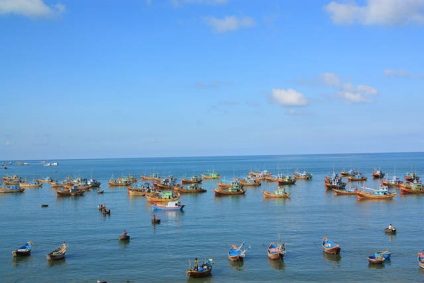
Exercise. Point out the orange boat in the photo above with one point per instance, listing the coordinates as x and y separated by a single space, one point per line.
381 193
279 193
192 180
329 247
162 197
210 176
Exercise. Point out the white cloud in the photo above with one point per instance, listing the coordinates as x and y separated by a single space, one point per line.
377 12
347 91
30 8
289 97
402 73
230 23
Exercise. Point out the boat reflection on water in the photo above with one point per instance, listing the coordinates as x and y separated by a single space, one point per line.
277 264
332 257
52 263
237 265
376 266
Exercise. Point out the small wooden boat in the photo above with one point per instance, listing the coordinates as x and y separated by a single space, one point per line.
330 247
203 270
170 205
192 180
345 192
229 191
356 177
25 250
58 253
124 237
420 259
334 182
151 177
378 174
44 205
390 230
12 189
100 192
348 173
162 197
155 220
286 180
279 193
45 180
376 259
302 175
393 182
69 192
381 193
411 177
189 189
119 182
237 253
210 176
412 188
34 184
249 182
276 251
385 254
142 190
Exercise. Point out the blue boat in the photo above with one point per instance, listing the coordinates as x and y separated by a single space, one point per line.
237 253
385 254
25 250
330 247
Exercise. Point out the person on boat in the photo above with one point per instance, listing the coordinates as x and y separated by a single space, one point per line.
196 264
390 227
125 233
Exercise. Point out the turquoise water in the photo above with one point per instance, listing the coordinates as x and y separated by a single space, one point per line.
210 225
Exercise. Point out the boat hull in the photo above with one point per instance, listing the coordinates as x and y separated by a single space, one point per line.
271 195
226 192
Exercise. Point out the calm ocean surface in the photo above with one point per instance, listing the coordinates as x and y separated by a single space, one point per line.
209 225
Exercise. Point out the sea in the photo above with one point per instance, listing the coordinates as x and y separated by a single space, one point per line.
209 225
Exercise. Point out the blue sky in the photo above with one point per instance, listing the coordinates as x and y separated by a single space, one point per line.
113 78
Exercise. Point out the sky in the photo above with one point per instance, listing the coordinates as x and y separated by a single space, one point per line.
171 78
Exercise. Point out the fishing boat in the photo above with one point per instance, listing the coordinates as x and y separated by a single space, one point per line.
124 237
162 196
330 247
272 178
279 193
167 183
348 173
386 254
276 251
69 192
93 183
250 182
189 189
142 190
202 270
25 250
119 182
11 189
302 175
421 259
170 205
58 253
393 182
151 177
13 179
411 177
33 184
192 180
155 220
286 180
412 188
345 192
334 182
376 259
237 253
45 180
262 174
356 177
236 189
381 193
378 174
390 230
210 176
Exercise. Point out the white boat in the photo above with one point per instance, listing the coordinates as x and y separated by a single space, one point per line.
171 205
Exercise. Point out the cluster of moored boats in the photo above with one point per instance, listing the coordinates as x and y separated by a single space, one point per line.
411 185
